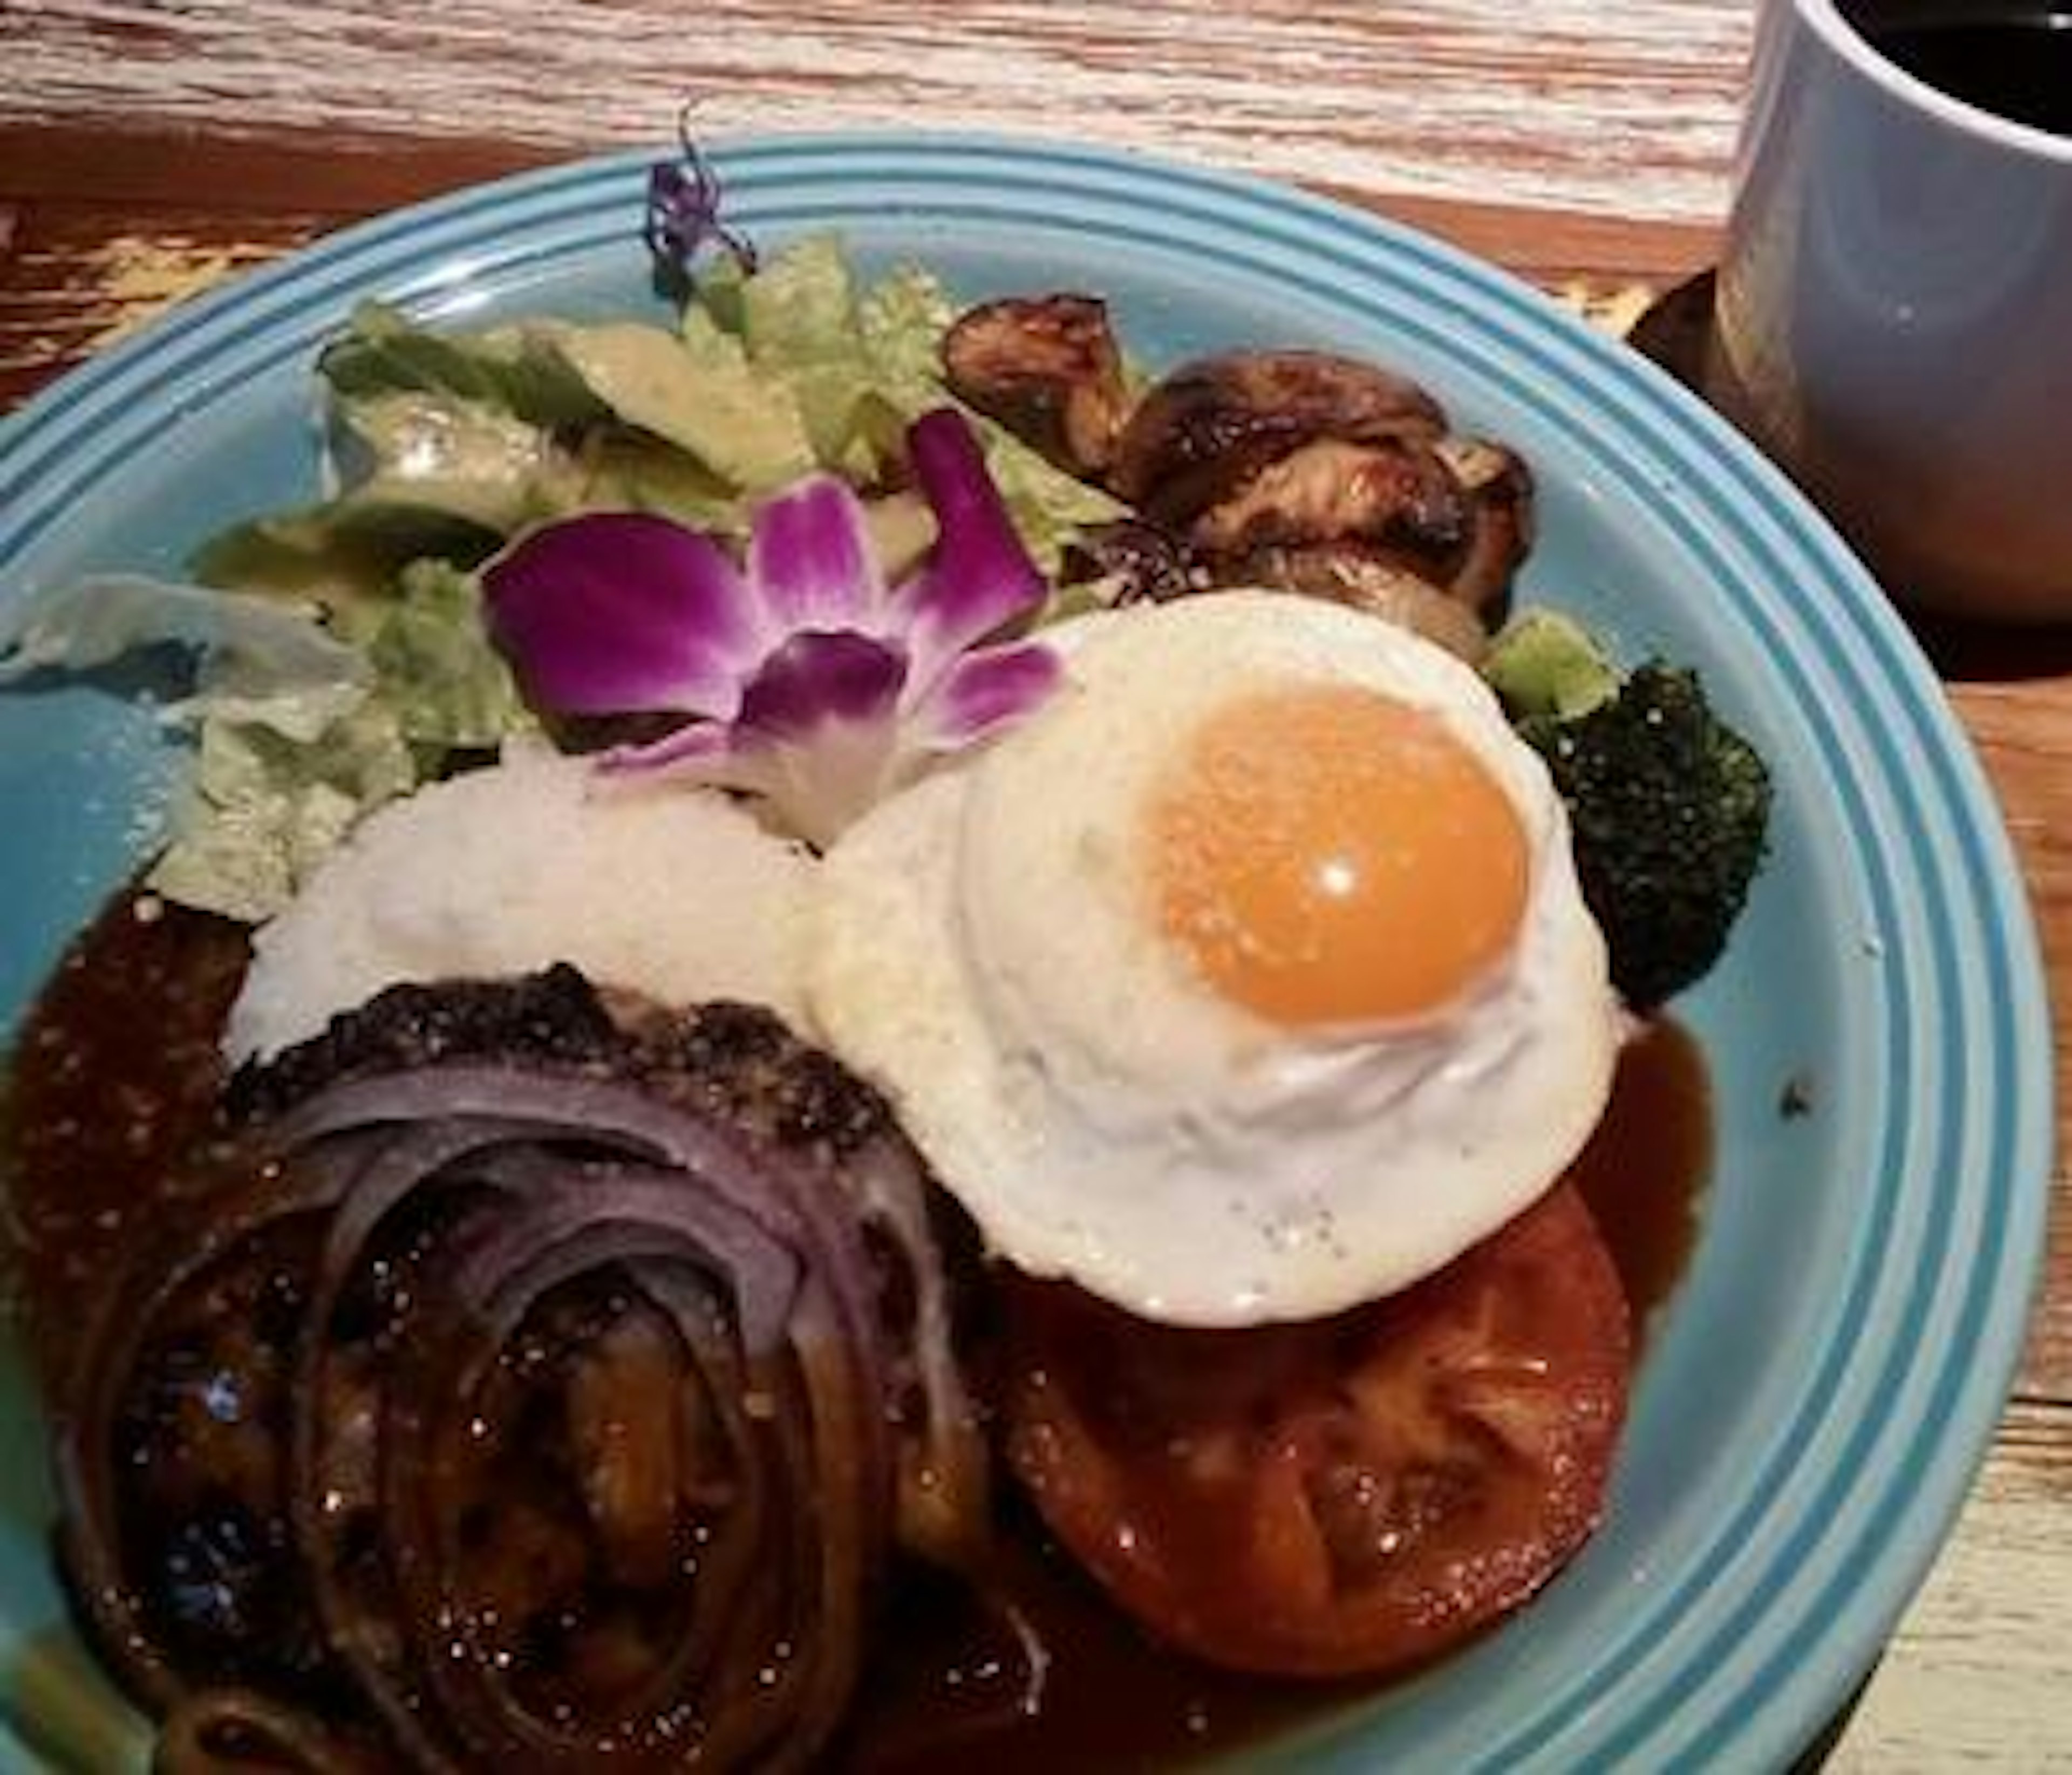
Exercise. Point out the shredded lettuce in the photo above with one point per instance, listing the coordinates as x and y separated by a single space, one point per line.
261 810
514 368
261 658
335 655
299 724
863 364
434 666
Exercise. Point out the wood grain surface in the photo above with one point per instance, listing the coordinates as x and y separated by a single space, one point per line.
147 151
1625 109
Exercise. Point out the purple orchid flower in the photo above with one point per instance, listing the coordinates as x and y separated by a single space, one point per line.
683 202
803 676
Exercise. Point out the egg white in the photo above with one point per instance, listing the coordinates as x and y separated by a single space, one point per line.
984 946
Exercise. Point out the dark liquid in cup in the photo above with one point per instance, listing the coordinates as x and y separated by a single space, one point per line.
2014 60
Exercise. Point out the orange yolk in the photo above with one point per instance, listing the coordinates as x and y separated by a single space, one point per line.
1327 855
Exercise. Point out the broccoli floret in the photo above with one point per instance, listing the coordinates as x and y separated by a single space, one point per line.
1668 806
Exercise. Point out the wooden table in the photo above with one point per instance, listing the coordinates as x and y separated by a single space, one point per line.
146 151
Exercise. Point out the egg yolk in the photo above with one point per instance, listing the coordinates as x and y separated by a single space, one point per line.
1328 854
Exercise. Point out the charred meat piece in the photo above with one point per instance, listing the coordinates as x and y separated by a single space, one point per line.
1047 368
1259 451
1330 490
1137 563
1499 491
1351 573
1405 506
1209 427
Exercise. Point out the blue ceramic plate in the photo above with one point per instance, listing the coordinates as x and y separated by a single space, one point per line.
1827 1376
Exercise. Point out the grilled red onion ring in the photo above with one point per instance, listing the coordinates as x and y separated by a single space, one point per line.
543 1390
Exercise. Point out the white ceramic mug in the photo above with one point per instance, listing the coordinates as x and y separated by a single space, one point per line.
1894 318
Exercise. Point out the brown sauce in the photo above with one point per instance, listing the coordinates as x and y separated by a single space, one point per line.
114 1075
939 1698
1645 1171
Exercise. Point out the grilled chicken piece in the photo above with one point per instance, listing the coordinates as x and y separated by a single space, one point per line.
1133 562
1137 563
1499 489
1350 573
1256 452
1211 425
1328 490
1047 368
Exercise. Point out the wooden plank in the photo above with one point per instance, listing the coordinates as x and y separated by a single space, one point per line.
74 280
2015 705
143 164
1624 111
344 178
1975 1677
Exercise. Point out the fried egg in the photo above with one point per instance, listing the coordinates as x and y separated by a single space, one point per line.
1248 980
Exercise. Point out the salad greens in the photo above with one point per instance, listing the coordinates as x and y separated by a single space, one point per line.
338 651
301 722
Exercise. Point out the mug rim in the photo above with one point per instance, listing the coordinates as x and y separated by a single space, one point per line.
1846 41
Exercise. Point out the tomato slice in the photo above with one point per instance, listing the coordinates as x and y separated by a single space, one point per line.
1342 1496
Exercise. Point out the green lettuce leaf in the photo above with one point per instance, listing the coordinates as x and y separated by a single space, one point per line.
862 363
626 472
800 307
339 553
300 725
263 659
269 797
902 318
437 670
1048 507
695 389
261 810
382 352
560 376
479 464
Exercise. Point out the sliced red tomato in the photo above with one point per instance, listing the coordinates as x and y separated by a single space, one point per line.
1346 1495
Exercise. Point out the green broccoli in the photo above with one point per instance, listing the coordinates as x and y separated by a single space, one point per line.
1669 807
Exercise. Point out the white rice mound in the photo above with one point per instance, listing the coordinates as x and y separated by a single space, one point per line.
674 892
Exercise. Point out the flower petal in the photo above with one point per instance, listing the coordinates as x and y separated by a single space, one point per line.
984 690
811 560
621 613
980 575
815 677
820 727
703 749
